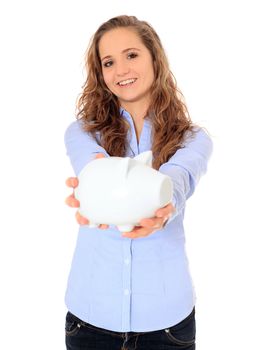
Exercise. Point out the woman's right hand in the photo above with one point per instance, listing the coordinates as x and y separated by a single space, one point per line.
71 201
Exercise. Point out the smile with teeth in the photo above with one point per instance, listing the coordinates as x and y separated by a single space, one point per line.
126 82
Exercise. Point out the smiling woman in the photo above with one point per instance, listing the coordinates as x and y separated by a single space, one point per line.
126 48
133 290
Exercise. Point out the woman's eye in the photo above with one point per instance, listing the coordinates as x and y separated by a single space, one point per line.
110 63
107 64
132 55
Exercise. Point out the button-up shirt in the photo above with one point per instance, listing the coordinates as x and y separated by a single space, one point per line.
142 284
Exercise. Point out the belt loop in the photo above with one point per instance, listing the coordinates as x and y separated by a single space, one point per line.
125 341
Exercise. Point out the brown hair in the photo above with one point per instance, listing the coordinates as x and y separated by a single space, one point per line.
99 109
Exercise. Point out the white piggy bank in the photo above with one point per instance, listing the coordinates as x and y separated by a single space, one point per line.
122 191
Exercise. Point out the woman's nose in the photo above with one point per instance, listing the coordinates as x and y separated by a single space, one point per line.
122 69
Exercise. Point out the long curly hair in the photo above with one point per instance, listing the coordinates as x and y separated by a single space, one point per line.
99 110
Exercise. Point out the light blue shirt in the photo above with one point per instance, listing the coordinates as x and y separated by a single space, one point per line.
142 284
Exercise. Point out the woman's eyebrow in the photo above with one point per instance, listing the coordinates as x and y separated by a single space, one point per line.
130 48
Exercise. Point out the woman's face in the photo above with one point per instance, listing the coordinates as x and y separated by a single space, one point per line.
127 66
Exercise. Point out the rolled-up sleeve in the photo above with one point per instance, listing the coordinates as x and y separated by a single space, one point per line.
186 167
81 147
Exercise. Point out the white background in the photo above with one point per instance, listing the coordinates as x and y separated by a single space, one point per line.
219 53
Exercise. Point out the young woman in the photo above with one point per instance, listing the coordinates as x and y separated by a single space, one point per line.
133 291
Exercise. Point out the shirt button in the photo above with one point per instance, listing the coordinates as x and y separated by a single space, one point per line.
126 261
126 292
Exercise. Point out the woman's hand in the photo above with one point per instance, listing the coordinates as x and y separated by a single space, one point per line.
149 226
71 201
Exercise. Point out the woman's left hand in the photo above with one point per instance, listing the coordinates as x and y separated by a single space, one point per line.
150 225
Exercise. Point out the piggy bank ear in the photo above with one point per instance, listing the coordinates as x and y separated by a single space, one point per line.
145 158
128 163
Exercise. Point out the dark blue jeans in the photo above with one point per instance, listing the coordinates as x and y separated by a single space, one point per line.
81 335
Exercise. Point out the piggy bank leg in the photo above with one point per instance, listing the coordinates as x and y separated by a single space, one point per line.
125 228
93 225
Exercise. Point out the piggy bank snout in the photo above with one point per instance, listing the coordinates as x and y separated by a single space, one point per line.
165 191
153 186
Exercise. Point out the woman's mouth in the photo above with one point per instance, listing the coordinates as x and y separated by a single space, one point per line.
127 82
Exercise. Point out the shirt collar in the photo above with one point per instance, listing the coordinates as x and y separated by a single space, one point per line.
127 115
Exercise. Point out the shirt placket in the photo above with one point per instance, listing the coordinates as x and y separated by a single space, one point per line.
126 303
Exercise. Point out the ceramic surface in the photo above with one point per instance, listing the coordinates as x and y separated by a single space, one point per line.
122 191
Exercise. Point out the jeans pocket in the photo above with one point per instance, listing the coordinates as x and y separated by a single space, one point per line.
72 325
183 333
